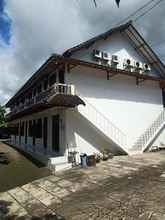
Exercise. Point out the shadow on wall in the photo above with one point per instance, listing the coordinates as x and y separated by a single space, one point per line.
5 214
90 137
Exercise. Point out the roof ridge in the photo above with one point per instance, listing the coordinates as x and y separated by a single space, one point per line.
89 42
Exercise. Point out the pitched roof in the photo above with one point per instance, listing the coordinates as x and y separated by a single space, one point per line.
91 41
56 60
138 42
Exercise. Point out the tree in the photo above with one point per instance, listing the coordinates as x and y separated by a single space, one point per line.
2 116
117 2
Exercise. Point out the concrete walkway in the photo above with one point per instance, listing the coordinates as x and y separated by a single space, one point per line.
122 188
20 170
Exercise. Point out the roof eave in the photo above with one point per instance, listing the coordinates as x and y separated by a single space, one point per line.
29 81
73 61
89 42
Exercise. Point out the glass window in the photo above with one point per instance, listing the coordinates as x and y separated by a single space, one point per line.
61 76
34 92
39 89
52 79
45 84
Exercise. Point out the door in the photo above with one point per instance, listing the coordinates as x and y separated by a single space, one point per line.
163 96
45 132
34 132
62 75
56 133
20 133
26 132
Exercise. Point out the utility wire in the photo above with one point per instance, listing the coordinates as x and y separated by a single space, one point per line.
143 14
147 11
135 12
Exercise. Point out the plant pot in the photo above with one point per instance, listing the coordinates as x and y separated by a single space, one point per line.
105 157
91 160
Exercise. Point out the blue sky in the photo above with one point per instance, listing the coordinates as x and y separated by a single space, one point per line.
5 25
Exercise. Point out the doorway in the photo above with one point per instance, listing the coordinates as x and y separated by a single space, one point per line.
34 132
26 127
45 132
163 97
56 133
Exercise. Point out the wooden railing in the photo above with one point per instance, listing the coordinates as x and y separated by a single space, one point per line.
64 89
57 88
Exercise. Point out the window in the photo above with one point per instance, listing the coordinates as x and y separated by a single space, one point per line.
61 75
52 79
34 92
30 95
39 128
22 101
45 84
39 89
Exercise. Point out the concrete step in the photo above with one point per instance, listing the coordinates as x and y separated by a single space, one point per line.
63 166
59 163
58 159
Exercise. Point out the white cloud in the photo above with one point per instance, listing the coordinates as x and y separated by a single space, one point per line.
42 27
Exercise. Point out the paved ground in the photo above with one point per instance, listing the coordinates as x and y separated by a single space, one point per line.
20 170
124 188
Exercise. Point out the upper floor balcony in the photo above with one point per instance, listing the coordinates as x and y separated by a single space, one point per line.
60 95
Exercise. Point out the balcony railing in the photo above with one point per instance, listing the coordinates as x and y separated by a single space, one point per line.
56 89
64 89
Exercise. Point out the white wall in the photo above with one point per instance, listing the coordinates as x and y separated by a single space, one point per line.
83 138
130 107
117 44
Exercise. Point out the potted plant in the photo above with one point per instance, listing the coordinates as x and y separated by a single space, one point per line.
105 155
98 158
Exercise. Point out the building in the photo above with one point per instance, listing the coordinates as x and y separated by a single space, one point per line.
106 93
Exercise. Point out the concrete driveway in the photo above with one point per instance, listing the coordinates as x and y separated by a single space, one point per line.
123 188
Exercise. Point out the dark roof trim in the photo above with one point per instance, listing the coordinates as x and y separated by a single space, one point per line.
88 43
145 50
32 80
136 39
73 61
56 60
64 101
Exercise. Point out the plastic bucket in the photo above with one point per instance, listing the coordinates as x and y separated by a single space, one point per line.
83 160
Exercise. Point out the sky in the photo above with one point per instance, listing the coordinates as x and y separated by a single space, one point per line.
30 31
